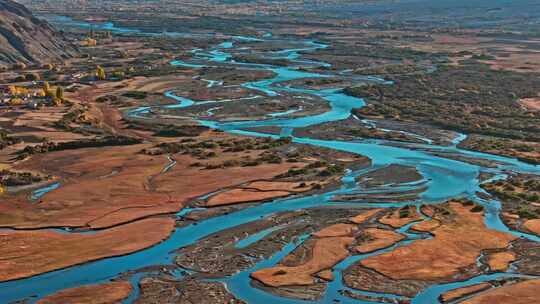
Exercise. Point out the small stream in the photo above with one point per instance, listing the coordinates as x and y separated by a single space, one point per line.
38 193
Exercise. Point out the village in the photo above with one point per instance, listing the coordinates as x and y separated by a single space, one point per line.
29 86
34 96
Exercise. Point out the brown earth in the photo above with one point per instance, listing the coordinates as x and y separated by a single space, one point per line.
336 230
326 275
326 253
378 239
510 216
428 210
397 221
463 237
108 293
113 185
205 181
273 186
516 60
426 226
100 188
500 261
28 253
108 187
533 226
464 291
237 196
531 103
159 84
256 191
520 293
361 218
507 56
34 126
330 247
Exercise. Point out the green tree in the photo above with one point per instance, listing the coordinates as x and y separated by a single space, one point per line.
32 77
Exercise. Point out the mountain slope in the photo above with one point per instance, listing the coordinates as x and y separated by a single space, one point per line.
24 38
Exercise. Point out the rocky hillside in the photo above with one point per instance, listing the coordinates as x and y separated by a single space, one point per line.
24 38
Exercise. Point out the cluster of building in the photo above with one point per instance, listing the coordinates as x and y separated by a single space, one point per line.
20 96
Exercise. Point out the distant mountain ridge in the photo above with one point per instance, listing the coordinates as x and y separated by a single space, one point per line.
25 38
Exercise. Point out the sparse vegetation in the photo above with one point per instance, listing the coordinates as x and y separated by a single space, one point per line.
519 194
6 139
84 143
470 99
135 94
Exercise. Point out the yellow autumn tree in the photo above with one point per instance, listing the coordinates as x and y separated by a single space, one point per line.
41 93
16 101
13 90
89 42
16 91
60 93
100 73
47 90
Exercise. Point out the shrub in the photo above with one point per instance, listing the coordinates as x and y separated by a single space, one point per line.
32 77
135 94
477 208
